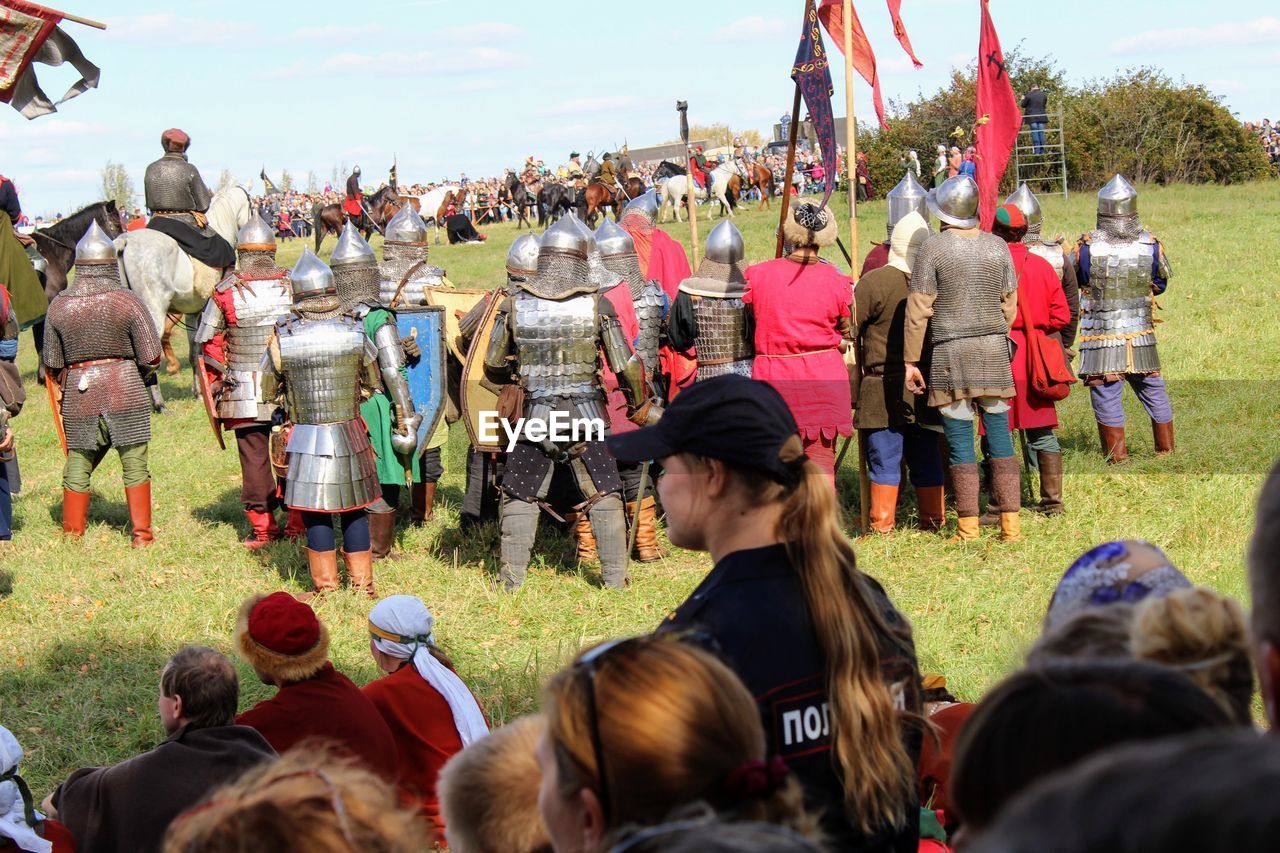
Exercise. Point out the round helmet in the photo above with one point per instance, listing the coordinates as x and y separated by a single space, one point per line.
955 202
356 171
95 247
311 277
522 257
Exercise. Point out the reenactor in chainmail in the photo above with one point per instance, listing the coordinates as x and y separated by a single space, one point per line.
649 306
1122 268
963 291
709 313
316 364
548 338
233 333
389 412
100 347
179 199
906 197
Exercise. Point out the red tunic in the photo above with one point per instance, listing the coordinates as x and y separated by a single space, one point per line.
330 707
796 308
619 297
422 725
663 260
1040 291
878 257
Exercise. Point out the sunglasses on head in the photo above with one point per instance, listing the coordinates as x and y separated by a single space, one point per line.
590 662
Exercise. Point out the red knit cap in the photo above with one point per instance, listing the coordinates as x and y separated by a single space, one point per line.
175 135
1010 216
284 625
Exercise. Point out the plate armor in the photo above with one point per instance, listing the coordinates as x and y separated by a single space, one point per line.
1117 330
257 304
331 463
618 253
557 351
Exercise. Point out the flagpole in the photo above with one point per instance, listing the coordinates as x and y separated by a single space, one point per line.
88 22
793 131
682 107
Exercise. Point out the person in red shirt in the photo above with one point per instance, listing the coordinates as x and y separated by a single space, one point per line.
802 306
287 646
430 712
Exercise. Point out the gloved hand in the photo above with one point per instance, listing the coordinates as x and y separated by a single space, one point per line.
411 349
405 438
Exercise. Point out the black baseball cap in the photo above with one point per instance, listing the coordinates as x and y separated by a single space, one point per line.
732 418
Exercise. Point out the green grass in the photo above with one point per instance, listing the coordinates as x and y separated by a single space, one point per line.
85 627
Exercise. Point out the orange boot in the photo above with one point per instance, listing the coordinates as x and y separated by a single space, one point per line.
75 512
884 503
139 500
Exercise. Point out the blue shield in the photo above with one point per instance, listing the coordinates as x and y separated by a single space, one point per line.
427 377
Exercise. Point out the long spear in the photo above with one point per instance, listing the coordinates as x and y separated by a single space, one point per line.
682 107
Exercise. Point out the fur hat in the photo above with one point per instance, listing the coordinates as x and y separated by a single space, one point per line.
281 637
809 225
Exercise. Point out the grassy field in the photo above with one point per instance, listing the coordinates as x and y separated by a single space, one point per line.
85 627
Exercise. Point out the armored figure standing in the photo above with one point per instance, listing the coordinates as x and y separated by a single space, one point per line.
618 254
100 346
389 412
548 338
1121 268
179 199
1055 253
906 197
963 291
316 359
709 312
406 274
233 333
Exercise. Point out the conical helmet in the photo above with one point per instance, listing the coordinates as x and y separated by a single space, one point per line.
311 277
95 247
562 261
522 257
256 234
613 240
1025 200
406 226
907 196
352 249
565 237
956 201
1117 198
645 204
725 245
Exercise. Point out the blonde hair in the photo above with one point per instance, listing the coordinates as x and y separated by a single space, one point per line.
866 725
309 801
489 792
1203 635
673 724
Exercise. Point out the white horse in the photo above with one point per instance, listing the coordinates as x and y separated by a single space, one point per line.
165 278
676 188
429 205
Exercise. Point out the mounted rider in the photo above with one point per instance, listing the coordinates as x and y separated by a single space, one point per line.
178 199
608 173
352 204
698 166
234 329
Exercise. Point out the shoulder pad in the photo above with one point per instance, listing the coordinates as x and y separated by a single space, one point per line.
360 311
226 284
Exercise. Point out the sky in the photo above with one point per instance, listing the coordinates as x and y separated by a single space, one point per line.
448 87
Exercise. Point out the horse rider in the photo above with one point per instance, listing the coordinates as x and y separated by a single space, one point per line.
608 173
179 201
698 165
572 171
351 204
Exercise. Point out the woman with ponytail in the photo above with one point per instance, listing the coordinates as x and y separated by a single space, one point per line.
828 658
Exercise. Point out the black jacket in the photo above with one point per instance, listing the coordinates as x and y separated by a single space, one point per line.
751 611
1033 106
9 201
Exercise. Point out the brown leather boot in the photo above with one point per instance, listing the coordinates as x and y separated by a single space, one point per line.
139 500
586 539
360 571
1050 483
931 501
265 529
75 512
1006 479
965 478
884 502
647 549
382 533
1113 444
323 566
1163 435
422 497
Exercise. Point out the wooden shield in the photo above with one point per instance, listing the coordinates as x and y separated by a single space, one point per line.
477 394
456 302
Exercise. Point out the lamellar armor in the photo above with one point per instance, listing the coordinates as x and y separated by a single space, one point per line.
723 336
256 295
355 269
174 186
618 253
102 335
322 361
404 253
1025 200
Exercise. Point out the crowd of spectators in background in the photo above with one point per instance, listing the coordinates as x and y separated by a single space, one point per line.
1268 135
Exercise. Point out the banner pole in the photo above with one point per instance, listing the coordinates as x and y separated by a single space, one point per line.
682 107
792 133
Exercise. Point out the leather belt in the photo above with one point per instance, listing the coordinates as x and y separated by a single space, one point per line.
95 362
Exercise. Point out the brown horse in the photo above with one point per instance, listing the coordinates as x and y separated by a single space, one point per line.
329 218
597 197
763 180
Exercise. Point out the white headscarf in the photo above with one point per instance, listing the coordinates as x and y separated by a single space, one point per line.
409 620
908 236
13 808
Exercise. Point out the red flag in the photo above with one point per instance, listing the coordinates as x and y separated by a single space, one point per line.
900 31
831 13
26 29
998 118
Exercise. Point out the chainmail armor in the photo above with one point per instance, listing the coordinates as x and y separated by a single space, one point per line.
1119 227
1033 233
720 272
96 278
627 267
357 283
650 312
256 260
320 308
559 275
722 343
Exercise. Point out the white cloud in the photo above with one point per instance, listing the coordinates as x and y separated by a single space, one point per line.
898 63
485 30
591 105
1261 31
750 28
337 32
169 30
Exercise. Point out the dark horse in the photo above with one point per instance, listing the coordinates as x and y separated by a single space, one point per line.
329 218
667 169
554 201
57 243
521 198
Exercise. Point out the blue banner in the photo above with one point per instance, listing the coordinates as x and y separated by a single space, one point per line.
812 74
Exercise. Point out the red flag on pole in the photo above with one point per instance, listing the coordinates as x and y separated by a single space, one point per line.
30 33
900 31
831 13
998 118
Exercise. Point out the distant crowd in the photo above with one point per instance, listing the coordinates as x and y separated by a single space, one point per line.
1268 135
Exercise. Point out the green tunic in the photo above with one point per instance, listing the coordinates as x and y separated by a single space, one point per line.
17 274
